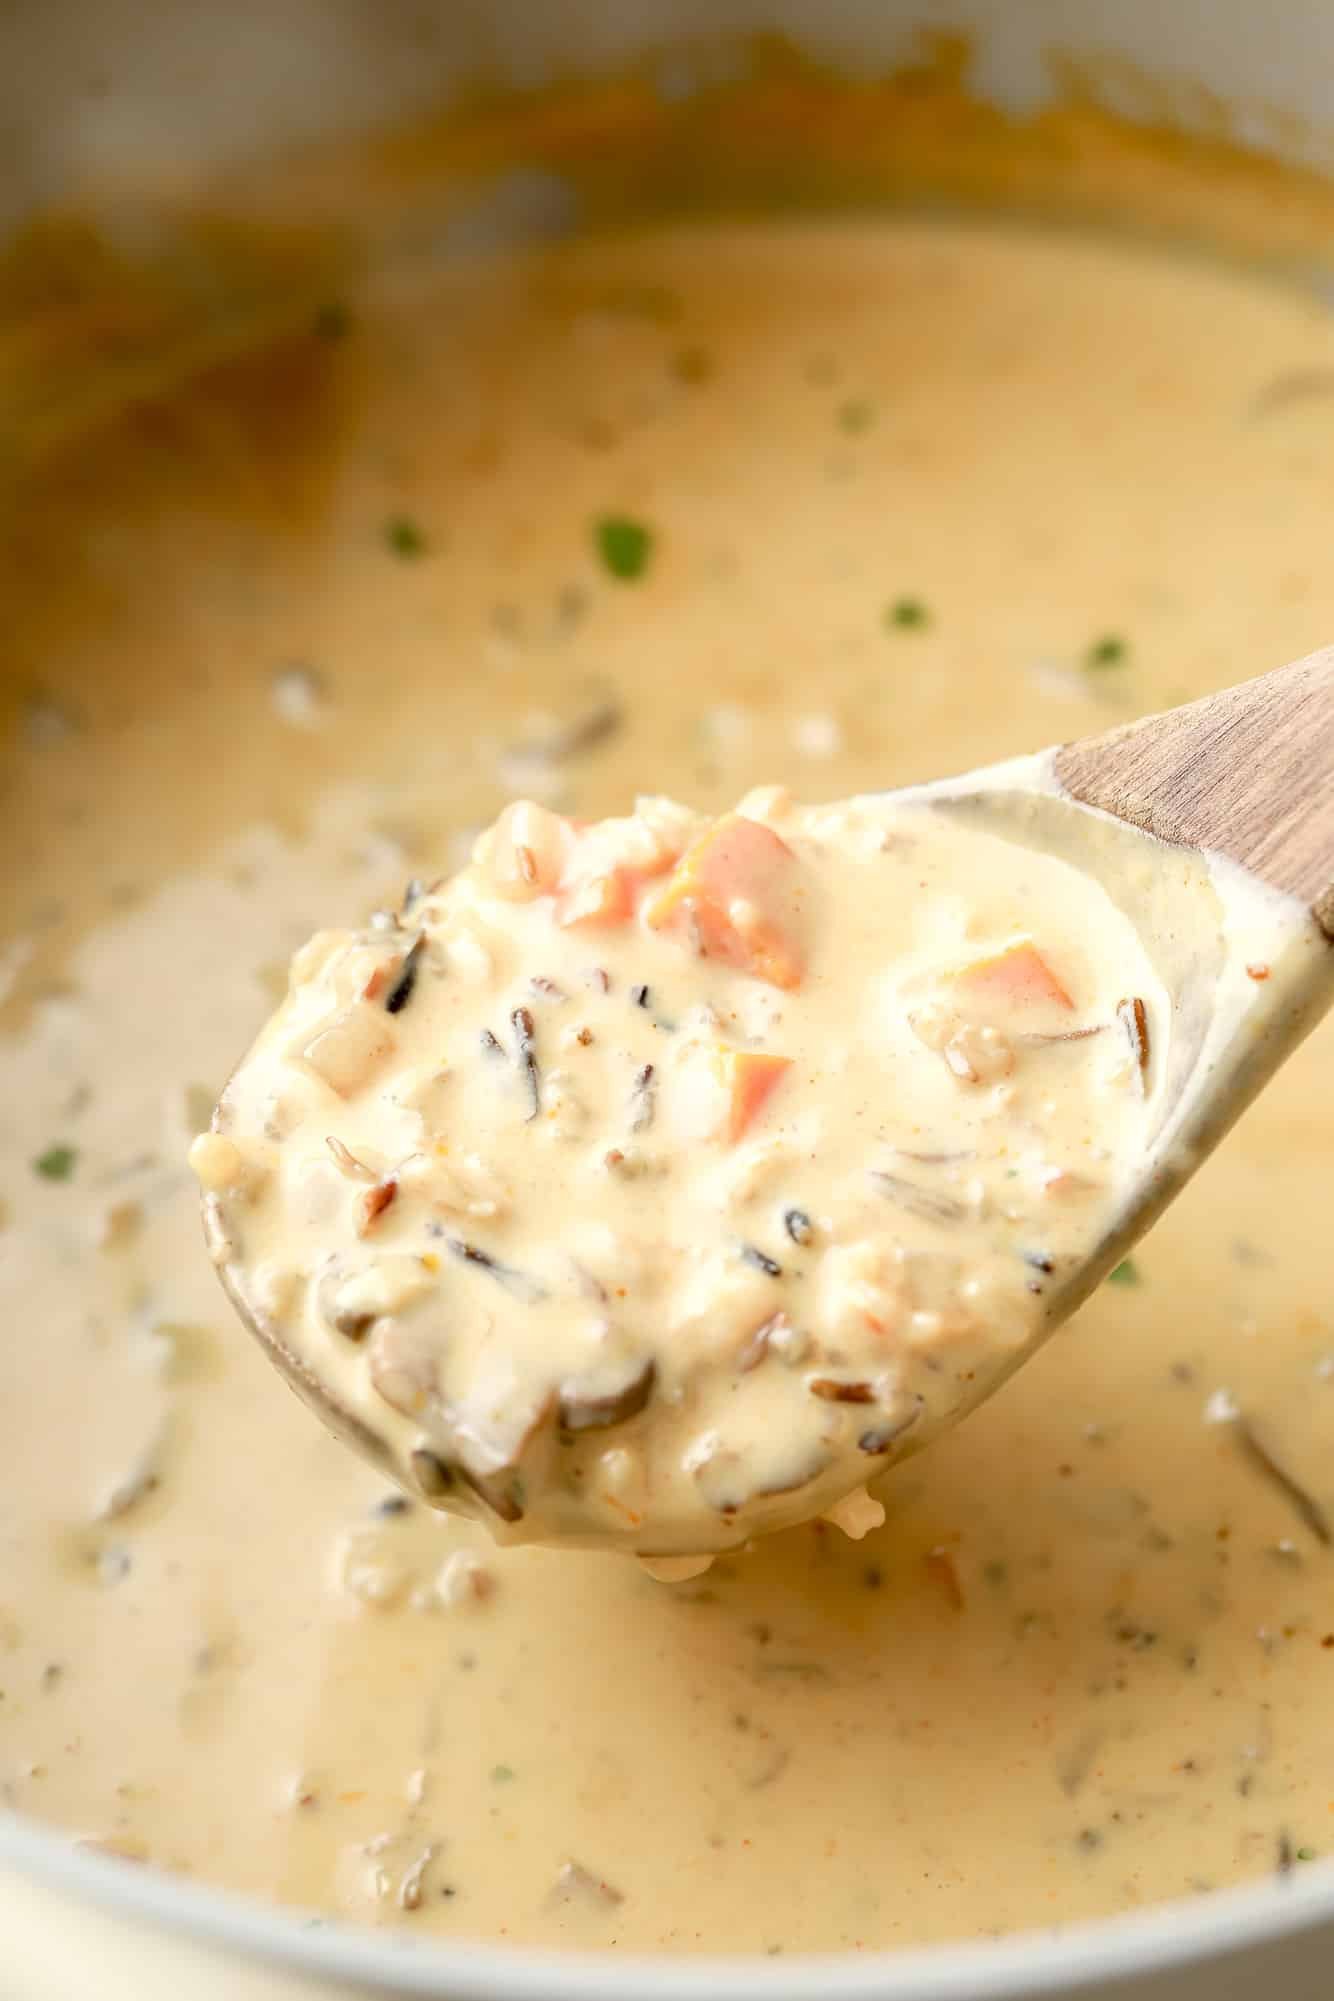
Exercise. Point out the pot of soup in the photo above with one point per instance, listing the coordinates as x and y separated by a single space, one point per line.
408 409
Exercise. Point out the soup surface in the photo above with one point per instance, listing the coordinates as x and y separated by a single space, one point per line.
839 507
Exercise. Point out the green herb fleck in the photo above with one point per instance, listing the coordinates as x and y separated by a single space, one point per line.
1126 1273
1306 1855
909 614
624 544
500 1774
855 415
333 320
1108 651
404 537
56 1164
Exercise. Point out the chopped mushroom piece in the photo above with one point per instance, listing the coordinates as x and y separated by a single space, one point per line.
346 1051
576 1881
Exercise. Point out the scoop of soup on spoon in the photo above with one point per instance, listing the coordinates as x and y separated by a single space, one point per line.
654 1183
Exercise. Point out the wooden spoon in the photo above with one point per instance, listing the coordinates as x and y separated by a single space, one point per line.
1212 829
1248 773
1218 809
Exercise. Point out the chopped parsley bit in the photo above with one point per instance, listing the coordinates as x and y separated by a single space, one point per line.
1306 1855
333 320
501 1773
855 415
624 544
404 537
1126 1273
907 613
1109 651
56 1164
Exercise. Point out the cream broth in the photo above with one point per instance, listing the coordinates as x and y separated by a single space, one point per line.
836 507
789 1129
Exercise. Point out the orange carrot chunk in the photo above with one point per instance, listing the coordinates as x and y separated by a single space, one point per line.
749 1078
609 867
1019 975
604 899
733 894
717 1093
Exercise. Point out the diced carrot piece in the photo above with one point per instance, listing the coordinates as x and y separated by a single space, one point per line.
608 868
718 1092
750 1078
733 891
604 899
1019 975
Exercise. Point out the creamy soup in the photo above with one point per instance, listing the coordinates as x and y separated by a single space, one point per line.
831 506
788 1133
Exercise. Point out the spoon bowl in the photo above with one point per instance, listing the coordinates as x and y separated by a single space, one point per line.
1206 836
1248 971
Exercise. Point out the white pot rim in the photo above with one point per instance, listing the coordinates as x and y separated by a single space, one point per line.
1199 1931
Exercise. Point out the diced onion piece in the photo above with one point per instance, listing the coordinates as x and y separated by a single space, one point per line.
346 1051
862 1291
392 1283
525 853
218 1163
978 1055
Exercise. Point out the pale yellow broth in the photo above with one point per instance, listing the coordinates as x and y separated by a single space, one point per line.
920 495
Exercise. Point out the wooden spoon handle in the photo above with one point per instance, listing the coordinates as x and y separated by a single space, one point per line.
1247 773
